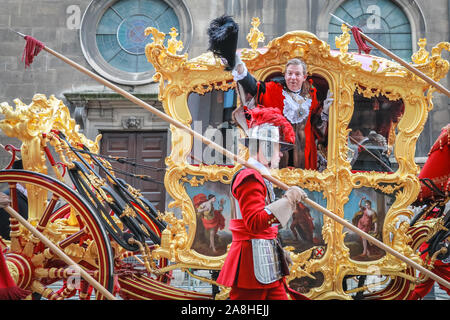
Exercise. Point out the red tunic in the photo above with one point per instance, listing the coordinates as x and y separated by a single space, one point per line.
437 166
250 191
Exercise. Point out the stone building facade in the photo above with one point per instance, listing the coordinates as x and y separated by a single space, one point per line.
78 29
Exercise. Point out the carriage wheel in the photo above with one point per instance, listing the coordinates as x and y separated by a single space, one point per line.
82 237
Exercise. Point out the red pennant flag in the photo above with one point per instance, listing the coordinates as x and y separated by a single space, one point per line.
32 49
362 46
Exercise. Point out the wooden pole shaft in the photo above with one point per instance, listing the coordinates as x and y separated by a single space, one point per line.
55 249
405 64
236 158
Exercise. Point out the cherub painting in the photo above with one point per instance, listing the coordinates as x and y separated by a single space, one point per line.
212 218
212 205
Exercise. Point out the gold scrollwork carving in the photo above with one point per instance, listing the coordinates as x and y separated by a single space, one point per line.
421 56
255 36
178 77
33 124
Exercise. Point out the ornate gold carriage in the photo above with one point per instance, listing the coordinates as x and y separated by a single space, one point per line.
374 96
365 88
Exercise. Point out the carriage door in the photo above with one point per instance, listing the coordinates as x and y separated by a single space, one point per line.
144 148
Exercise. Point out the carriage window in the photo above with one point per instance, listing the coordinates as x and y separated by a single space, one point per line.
373 130
211 117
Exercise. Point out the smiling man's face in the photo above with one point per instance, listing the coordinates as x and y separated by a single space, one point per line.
294 77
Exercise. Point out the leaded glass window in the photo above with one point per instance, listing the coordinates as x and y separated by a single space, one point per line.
382 20
113 39
120 32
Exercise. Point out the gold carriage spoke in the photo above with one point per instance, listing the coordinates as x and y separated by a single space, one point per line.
30 246
99 269
67 291
45 292
15 232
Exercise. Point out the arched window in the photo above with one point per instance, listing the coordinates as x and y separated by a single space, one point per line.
382 20
113 40
120 32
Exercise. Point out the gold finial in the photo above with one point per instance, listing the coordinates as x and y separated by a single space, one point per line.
158 36
421 56
174 45
255 36
437 50
343 40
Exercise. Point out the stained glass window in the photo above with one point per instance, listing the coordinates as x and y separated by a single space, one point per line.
120 32
382 20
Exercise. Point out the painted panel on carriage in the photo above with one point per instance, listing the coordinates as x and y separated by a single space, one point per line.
304 229
366 209
373 132
213 207
304 232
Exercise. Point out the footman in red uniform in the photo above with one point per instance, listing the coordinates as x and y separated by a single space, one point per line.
255 265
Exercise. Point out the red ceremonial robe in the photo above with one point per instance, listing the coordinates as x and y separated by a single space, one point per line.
274 98
437 166
440 269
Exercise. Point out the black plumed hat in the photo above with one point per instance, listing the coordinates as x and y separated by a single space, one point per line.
223 36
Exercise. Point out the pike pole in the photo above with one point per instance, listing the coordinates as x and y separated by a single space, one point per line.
402 62
239 160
